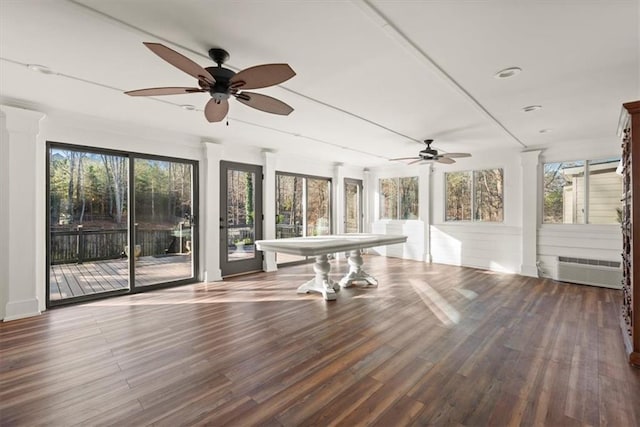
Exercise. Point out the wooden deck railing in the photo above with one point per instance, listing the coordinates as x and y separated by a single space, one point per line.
80 245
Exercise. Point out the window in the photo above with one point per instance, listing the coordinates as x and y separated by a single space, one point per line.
474 196
458 196
399 198
582 192
303 208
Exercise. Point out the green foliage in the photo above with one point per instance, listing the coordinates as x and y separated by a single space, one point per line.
92 188
554 183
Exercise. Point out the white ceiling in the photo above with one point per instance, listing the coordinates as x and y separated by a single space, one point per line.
373 77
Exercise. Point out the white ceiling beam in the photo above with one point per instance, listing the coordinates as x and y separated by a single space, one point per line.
410 47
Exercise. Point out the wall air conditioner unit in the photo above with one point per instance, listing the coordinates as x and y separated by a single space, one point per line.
607 274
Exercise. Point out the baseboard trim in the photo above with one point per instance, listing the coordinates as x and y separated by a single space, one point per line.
20 309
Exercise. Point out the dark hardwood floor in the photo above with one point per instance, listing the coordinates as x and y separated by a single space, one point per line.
431 345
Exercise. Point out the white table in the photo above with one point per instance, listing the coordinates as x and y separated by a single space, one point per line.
320 246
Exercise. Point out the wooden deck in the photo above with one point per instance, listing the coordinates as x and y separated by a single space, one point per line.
74 280
431 345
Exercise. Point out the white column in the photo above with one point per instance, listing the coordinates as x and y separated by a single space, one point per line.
530 212
22 213
269 206
210 225
367 197
424 200
338 198
337 213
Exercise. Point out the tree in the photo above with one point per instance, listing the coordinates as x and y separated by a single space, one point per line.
116 168
71 155
554 183
249 197
409 205
458 196
489 197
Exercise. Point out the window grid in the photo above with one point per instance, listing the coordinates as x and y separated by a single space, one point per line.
581 192
398 198
474 196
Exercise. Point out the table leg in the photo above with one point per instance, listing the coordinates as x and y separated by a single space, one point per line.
321 282
356 273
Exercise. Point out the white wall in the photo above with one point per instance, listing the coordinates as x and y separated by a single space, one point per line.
598 242
493 246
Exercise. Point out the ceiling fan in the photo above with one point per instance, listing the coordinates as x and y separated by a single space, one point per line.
222 83
431 155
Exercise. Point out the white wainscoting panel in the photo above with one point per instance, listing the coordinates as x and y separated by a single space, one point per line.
414 246
490 247
589 241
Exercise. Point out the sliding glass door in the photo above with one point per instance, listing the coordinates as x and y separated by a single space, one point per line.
163 221
97 244
88 223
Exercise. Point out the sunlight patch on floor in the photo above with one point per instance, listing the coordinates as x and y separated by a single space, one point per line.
470 295
243 298
444 311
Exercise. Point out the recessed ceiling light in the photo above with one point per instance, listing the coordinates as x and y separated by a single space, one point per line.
40 68
508 72
545 130
530 108
188 107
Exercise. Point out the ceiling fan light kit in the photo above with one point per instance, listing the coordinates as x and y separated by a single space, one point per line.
223 83
431 155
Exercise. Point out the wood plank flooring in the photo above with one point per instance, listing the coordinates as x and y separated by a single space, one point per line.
431 345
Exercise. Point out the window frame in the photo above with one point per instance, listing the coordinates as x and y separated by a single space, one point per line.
585 188
472 193
305 205
398 199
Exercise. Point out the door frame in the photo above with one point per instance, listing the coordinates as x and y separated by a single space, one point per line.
131 156
232 268
195 227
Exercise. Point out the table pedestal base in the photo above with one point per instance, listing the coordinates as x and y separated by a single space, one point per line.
321 283
356 273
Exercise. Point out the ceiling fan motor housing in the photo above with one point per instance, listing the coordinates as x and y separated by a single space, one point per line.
220 89
428 152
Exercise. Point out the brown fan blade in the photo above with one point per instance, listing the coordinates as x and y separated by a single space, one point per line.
405 158
415 161
181 62
264 103
445 160
262 76
456 155
158 91
215 111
